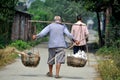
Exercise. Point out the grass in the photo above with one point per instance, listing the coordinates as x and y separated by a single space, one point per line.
7 56
109 65
108 70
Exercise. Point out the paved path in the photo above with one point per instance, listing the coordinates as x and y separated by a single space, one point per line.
17 71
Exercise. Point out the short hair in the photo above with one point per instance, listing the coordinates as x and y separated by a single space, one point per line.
79 17
57 19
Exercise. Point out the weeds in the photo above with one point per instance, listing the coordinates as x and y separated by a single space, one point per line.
109 68
6 56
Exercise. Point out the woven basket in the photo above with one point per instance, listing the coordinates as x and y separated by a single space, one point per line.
75 62
30 60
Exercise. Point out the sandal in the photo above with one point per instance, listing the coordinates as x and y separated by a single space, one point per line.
49 75
57 76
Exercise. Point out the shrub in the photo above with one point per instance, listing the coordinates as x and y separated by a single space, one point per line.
108 70
110 67
6 56
19 44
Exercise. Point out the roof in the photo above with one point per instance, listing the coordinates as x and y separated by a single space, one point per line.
23 12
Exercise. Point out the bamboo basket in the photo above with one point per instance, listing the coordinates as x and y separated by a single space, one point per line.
30 60
75 62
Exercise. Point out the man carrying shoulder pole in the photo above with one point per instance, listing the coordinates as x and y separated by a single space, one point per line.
56 45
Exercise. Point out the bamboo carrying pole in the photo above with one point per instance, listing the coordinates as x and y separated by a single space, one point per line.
40 21
87 54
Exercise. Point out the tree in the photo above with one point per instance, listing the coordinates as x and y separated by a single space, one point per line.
68 10
7 9
40 12
109 8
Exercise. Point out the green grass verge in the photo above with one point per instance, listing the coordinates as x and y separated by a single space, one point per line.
109 65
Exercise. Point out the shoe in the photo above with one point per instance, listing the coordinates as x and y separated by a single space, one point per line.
57 76
49 75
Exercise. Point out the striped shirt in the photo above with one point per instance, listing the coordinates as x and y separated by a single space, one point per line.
79 31
56 34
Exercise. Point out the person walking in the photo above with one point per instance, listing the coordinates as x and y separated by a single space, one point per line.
80 33
56 45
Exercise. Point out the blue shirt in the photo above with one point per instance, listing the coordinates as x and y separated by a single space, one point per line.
56 34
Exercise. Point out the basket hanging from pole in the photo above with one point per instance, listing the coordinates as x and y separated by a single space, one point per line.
75 62
31 59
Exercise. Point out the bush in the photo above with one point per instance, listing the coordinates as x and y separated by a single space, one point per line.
19 44
110 67
108 50
116 59
108 70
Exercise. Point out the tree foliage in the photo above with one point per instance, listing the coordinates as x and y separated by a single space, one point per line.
67 10
40 12
7 8
111 11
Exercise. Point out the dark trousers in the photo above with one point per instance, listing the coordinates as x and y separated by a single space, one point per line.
77 48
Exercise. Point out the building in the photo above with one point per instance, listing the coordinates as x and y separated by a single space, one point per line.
22 29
